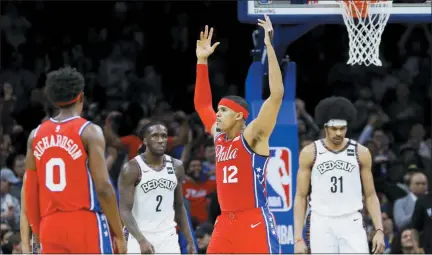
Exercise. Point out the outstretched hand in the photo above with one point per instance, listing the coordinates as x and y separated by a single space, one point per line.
204 48
268 28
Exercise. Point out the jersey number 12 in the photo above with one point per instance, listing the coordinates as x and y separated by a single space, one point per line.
230 174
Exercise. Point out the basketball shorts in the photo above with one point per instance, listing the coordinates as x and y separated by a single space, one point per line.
338 234
164 242
75 232
250 231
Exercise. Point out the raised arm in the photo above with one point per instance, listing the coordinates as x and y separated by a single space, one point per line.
202 95
265 122
183 134
181 216
372 203
31 189
93 139
306 159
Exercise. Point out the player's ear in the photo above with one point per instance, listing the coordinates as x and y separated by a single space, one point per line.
81 97
239 116
145 141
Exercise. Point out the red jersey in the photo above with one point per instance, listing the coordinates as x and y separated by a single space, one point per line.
196 193
240 175
65 183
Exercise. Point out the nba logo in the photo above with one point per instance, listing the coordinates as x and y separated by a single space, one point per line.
279 179
265 1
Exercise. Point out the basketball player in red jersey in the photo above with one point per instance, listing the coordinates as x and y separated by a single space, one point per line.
245 225
67 178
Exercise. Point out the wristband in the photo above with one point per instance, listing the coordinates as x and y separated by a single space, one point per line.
376 231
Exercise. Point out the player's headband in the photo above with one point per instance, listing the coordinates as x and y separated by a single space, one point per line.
234 106
71 101
336 123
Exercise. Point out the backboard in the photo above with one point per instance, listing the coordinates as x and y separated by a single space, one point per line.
323 11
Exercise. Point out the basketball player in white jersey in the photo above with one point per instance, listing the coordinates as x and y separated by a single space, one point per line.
151 198
337 169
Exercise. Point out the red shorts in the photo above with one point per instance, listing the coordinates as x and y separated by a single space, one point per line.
250 231
75 232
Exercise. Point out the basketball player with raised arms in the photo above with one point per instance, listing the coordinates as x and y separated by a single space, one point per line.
70 203
337 169
245 225
151 197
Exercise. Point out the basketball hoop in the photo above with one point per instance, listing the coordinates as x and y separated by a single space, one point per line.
365 21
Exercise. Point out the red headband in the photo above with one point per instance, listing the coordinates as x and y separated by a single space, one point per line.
234 106
71 101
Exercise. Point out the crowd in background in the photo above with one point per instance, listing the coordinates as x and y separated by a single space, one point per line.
139 63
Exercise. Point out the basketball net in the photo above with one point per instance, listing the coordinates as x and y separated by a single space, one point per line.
365 21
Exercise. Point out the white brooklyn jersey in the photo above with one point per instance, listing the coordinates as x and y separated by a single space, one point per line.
335 180
153 207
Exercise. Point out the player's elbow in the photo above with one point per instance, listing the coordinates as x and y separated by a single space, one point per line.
277 95
300 197
370 195
125 210
105 190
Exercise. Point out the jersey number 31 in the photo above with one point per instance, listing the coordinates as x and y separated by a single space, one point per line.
230 174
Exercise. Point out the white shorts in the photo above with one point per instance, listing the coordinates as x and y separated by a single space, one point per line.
338 234
163 242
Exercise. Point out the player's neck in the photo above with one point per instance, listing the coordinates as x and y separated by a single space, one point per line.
66 114
153 160
234 132
334 147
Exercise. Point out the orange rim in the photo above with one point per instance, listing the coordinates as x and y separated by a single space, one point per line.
359 8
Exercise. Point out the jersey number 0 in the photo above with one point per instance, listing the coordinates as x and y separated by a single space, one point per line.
52 165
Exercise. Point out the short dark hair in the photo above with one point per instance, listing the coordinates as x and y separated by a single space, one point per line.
239 100
145 129
189 161
63 85
334 108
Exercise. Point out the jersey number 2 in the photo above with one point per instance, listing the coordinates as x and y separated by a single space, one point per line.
337 184
159 200
59 164
230 174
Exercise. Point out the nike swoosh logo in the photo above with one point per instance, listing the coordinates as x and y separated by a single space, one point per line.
255 225
321 152
356 219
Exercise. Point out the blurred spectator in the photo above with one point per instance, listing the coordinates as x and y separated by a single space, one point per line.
407 241
422 221
203 234
404 207
15 26
305 122
389 231
6 233
196 190
10 205
209 163
19 170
